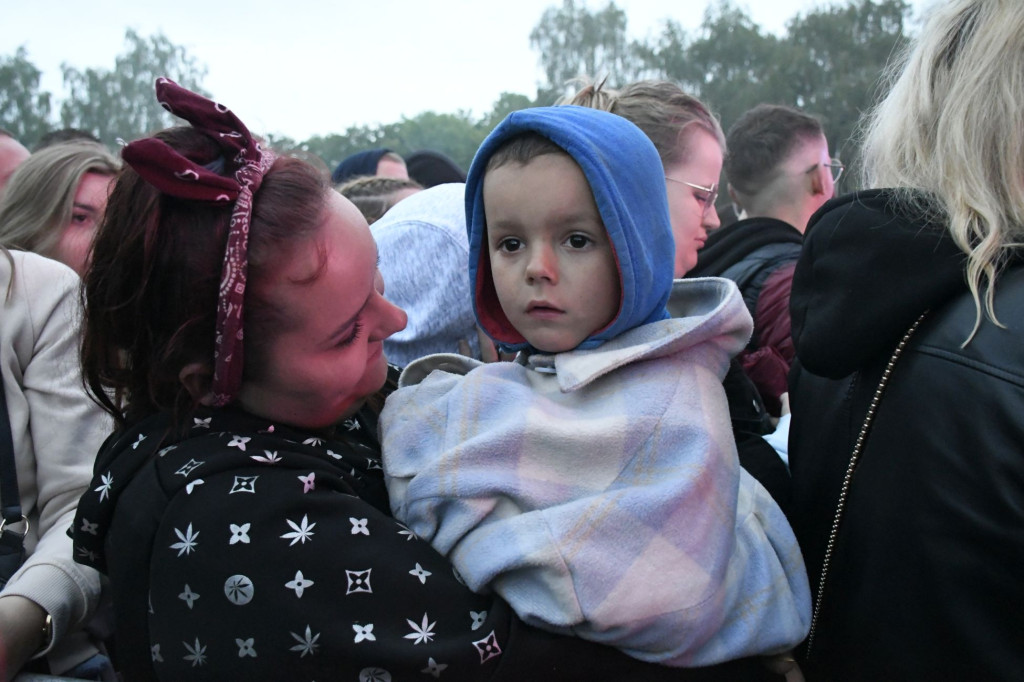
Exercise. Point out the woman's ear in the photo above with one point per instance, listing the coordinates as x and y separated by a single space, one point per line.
197 378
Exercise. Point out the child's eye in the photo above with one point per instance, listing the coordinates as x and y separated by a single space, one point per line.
510 244
579 241
79 218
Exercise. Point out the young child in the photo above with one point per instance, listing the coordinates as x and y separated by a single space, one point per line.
594 482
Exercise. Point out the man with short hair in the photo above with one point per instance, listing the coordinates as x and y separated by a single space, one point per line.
779 173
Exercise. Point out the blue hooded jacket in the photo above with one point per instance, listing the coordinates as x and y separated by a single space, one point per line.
627 180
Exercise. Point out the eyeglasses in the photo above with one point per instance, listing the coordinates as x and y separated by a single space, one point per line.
710 193
835 166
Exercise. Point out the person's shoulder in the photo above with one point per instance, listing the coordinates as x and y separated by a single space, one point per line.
749 242
41 303
865 206
995 351
38 265
36 276
701 296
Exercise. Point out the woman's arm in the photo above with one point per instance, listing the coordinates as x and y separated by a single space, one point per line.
57 431
319 583
22 633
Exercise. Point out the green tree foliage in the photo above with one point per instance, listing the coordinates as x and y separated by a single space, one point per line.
24 111
727 64
119 103
828 62
456 135
453 134
506 103
335 147
834 59
573 41
282 143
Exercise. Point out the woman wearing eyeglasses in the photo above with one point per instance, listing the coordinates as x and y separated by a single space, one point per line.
908 390
690 142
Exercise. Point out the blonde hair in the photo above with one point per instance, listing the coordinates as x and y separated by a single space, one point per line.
949 136
373 195
38 201
659 108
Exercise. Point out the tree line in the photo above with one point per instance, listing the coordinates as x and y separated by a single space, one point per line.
828 62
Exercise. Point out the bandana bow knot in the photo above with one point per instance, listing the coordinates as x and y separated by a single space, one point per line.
173 174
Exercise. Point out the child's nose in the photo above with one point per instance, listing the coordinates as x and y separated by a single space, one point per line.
542 265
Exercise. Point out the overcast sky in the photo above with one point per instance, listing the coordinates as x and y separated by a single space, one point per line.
305 67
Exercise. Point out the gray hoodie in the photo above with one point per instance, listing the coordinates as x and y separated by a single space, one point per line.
424 257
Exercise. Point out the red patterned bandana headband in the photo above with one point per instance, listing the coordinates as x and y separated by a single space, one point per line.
171 173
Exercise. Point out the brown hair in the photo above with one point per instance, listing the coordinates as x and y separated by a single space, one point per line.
521 149
39 199
659 108
763 138
373 195
151 293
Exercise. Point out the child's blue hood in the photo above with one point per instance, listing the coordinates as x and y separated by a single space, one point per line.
627 180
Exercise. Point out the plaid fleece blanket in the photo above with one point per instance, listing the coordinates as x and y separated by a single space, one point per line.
599 491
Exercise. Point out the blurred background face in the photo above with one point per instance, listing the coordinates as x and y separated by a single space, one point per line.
392 168
76 237
692 210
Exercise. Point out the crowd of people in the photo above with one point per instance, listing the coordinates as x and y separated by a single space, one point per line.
571 413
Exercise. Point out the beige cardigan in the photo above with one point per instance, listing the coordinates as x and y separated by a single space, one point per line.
57 431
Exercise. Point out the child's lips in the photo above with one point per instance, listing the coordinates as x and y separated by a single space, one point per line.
543 310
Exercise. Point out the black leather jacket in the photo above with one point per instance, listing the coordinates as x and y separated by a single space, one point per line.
927 578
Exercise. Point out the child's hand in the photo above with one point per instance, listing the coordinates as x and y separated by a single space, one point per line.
784 664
